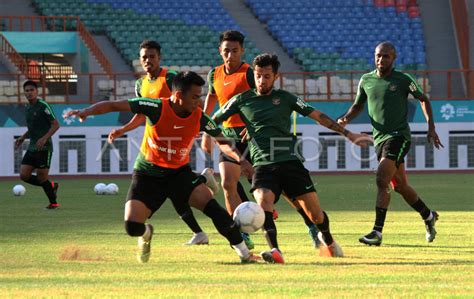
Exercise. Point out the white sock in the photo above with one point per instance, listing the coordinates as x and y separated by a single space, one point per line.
146 234
241 249
429 217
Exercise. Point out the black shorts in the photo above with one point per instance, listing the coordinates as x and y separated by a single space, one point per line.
38 159
288 176
153 191
242 148
395 148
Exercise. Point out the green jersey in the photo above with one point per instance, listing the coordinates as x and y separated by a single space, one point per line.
152 109
268 121
38 120
387 99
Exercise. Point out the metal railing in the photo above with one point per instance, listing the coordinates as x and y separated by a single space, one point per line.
57 23
315 86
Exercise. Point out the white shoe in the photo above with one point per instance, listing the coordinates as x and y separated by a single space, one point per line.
198 239
333 250
144 244
211 182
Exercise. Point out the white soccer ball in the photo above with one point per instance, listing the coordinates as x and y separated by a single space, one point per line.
99 189
249 216
111 189
19 190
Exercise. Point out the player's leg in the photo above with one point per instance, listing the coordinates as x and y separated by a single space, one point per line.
40 161
183 188
265 198
385 172
310 204
265 191
201 198
230 176
312 228
298 185
144 197
184 211
401 186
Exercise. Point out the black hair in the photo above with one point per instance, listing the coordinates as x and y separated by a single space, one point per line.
266 59
232 36
151 44
30 83
184 80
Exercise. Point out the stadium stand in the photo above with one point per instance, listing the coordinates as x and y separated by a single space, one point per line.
188 31
340 35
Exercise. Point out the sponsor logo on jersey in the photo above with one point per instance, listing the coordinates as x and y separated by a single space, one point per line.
177 127
210 126
146 103
413 87
47 111
392 87
276 101
302 104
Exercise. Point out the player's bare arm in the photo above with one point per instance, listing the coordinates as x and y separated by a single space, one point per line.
326 121
226 147
352 113
21 139
98 108
428 113
42 141
137 120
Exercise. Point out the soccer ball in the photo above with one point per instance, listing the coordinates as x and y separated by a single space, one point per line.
18 190
249 216
111 189
100 189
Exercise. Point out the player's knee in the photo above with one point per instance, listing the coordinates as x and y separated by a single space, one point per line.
25 176
134 229
381 182
229 184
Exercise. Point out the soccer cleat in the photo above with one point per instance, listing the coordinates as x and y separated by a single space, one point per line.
430 227
313 233
52 206
275 214
55 188
371 239
333 250
198 239
144 245
273 256
248 241
211 182
251 259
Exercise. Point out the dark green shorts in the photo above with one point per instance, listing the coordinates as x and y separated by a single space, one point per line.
153 191
37 159
395 148
288 176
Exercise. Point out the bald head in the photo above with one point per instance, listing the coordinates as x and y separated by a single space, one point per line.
387 46
385 55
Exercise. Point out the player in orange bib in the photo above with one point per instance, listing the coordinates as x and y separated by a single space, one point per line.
225 81
161 169
157 83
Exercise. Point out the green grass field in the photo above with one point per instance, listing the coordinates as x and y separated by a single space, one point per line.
82 249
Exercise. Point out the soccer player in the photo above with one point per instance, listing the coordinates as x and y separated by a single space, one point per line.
225 81
42 124
386 90
162 169
157 83
278 167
